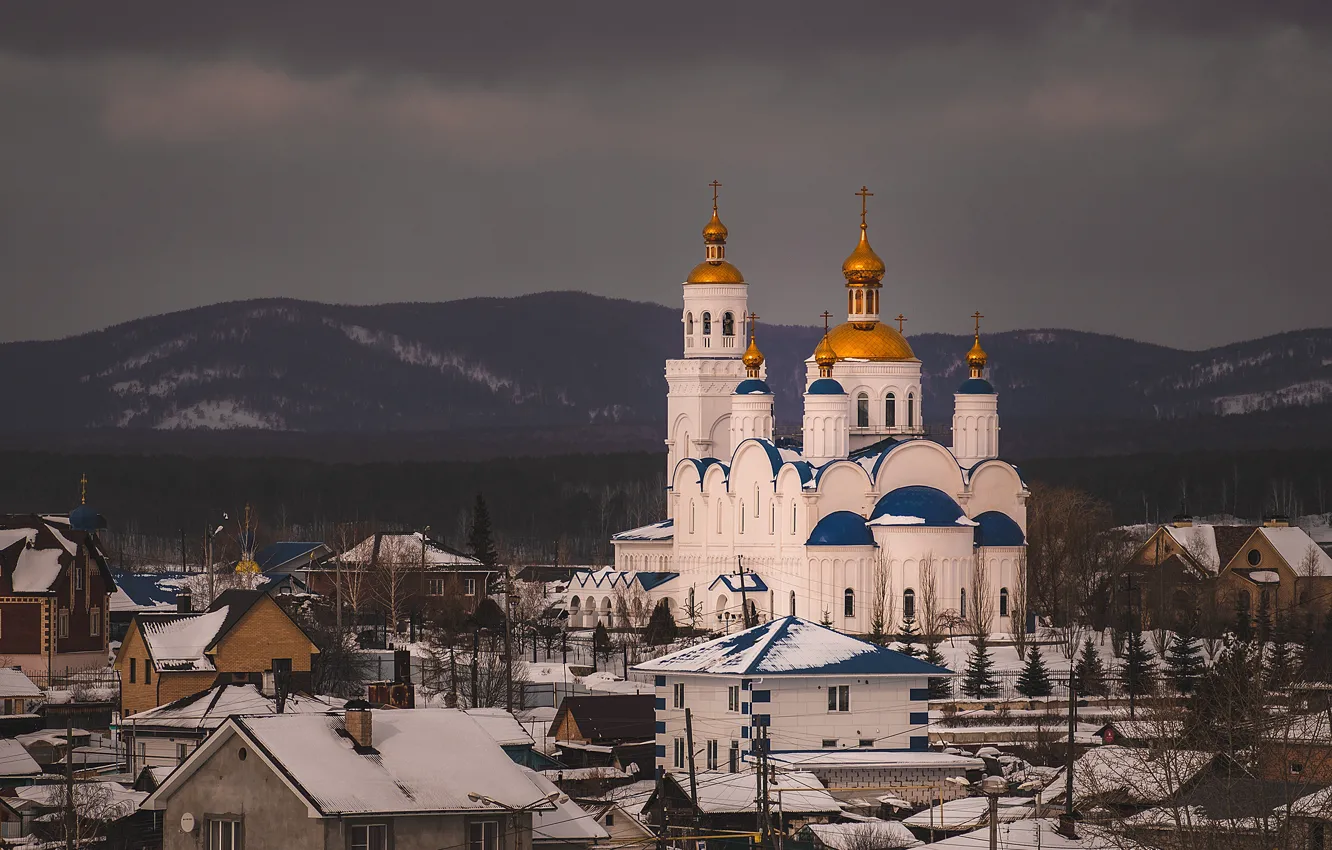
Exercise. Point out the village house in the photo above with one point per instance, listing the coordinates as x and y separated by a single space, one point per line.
369 779
18 693
728 801
244 636
55 589
622 826
830 703
612 730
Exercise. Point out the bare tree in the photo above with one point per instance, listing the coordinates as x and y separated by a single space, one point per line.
631 605
875 836
398 557
1017 607
981 601
929 596
883 603
86 809
350 578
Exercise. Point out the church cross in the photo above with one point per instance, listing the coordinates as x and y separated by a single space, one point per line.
900 320
977 316
715 186
753 317
825 315
83 489
864 194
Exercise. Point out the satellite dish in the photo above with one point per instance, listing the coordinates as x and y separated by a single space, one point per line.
187 822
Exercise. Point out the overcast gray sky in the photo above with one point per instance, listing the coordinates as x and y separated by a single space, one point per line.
1158 170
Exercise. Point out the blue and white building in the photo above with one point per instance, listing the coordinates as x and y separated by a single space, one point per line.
865 503
852 713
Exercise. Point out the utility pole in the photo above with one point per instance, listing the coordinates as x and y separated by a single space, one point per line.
693 776
71 816
661 808
744 600
1072 726
761 783
476 659
508 645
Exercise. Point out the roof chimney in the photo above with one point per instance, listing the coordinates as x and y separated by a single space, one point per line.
359 723
1276 521
1068 825
184 602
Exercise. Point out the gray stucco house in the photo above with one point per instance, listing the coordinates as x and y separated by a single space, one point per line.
361 780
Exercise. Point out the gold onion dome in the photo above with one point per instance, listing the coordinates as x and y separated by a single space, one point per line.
824 355
976 357
875 342
753 358
714 231
715 272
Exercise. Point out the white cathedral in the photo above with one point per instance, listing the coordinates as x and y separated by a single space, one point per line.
868 506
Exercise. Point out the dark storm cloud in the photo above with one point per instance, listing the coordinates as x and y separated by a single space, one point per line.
1151 169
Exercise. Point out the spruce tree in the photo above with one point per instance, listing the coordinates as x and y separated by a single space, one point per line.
907 638
1184 661
1243 622
978 682
1278 670
601 642
939 687
1263 622
479 536
660 629
1034 680
1089 674
1139 663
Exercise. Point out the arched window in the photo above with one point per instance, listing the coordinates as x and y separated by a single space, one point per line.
728 324
793 603
862 410
1003 602
691 516
689 324
793 516
911 408
908 603
693 611
719 516
849 603
772 520
741 516
756 501
860 302
890 410
962 608
707 324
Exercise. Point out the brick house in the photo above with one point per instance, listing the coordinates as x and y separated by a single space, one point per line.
240 638
55 591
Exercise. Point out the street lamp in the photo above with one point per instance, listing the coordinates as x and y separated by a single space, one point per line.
542 802
992 787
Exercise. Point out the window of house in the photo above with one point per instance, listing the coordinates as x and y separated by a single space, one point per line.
677 692
733 698
435 586
839 697
678 753
911 410
469 586
78 578
95 622
908 603
610 819
369 836
829 743
483 835
62 623
1255 557
712 755
1296 768
890 410
225 834
849 603
793 517
962 603
1316 836
741 516
147 673
1003 602
862 410
134 670
182 752
793 603
734 762
866 742
772 517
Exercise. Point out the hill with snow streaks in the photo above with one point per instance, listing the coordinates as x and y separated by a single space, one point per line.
571 360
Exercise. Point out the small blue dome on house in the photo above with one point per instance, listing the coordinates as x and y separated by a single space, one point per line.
976 386
753 385
841 528
934 506
84 518
825 386
996 528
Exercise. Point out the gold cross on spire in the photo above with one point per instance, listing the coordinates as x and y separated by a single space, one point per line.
900 320
825 315
715 186
977 316
864 194
752 317
83 489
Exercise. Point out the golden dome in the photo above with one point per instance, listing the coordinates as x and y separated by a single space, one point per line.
976 357
877 342
863 266
714 231
753 358
824 354
718 272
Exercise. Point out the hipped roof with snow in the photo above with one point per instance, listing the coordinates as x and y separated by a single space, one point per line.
208 709
185 642
791 646
35 550
423 761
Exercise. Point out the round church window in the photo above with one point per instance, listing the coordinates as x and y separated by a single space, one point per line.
1255 557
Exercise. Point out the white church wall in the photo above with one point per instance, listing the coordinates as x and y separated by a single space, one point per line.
843 486
995 486
921 462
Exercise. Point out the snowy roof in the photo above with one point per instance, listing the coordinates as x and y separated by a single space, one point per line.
882 834
1200 542
970 812
568 823
1136 774
1192 817
415 546
1030 834
37 570
423 760
13 683
147 591
280 554
14 759
657 531
121 802
179 642
208 709
501 726
1263 576
874 760
789 645
1294 546
720 793
752 583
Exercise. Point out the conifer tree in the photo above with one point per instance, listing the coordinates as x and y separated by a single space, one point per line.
1034 680
1184 660
601 642
1263 622
939 687
1243 622
907 638
660 629
1139 663
1089 674
479 536
1280 664
978 682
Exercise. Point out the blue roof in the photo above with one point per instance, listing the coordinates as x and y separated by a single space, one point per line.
996 528
753 584
151 589
934 506
277 554
651 580
841 528
84 518
976 386
753 385
789 645
825 386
